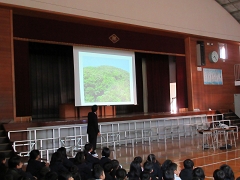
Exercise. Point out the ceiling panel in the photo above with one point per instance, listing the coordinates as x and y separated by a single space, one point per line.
231 6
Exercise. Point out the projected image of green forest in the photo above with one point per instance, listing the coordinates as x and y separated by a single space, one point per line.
106 84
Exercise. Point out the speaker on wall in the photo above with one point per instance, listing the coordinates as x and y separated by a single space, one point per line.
200 53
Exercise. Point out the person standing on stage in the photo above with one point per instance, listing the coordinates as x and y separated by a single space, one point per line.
92 128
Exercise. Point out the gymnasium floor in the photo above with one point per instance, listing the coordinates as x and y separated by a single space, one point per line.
178 151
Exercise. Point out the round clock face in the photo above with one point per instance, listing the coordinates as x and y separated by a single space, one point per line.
213 56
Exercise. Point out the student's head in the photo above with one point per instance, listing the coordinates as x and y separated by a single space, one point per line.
56 157
121 174
108 167
94 108
198 172
34 155
2 158
151 158
174 167
166 164
115 164
63 151
79 158
138 159
106 152
218 174
145 176
98 172
168 174
88 147
188 164
148 167
135 169
65 176
15 162
228 171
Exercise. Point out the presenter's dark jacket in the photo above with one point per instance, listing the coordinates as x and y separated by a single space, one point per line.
92 128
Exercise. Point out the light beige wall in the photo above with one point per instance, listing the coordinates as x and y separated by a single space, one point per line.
199 17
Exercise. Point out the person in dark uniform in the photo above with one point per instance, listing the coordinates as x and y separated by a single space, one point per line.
92 128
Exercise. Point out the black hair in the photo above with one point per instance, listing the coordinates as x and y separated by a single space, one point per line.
188 164
218 174
168 174
108 167
198 172
106 152
56 157
94 108
172 166
97 171
145 176
121 174
34 154
135 169
79 158
138 159
14 161
229 174
87 147
148 167
166 164
63 151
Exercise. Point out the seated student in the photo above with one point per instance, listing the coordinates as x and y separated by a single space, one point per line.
105 156
88 148
116 166
121 174
15 171
198 172
176 170
83 168
75 173
218 174
139 160
168 174
56 163
156 166
108 167
229 175
66 162
98 172
134 171
165 165
34 164
3 167
186 173
148 167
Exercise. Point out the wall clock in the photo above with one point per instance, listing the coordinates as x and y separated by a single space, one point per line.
213 57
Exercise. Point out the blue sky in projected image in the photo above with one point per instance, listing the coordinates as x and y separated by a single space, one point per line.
96 59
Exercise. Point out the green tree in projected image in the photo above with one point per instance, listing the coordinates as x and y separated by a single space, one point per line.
106 84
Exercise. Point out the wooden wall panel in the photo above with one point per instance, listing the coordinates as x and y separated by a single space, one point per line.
6 66
213 96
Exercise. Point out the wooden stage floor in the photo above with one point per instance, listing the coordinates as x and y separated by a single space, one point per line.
178 151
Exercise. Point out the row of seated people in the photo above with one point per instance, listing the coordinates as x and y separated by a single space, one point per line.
85 166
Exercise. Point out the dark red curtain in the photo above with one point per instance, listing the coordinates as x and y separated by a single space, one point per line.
158 83
181 83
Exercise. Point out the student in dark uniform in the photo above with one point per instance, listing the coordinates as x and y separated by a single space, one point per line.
92 128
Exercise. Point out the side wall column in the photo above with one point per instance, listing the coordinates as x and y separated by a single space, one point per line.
7 95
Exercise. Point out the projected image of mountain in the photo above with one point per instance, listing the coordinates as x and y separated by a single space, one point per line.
106 84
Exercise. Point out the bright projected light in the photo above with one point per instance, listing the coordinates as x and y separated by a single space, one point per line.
104 77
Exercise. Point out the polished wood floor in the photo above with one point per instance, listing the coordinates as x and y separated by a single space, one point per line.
178 151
